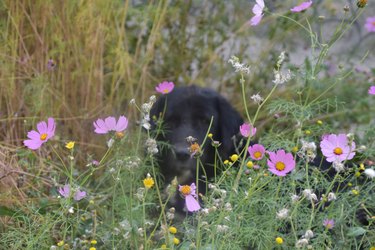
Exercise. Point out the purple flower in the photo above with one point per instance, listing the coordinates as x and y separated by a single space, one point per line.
65 191
51 65
258 13
336 148
371 90
329 223
110 124
165 87
45 132
189 193
280 163
303 6
79 195
256 151
247 130
370 24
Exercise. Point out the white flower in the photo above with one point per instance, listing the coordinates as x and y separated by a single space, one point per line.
280 77
309 195
295 198
110 142
308 150
331 196
302 243
132 101
152 147
338 166
71 210
228 207
238 66
309 234
369 172
280 59
257 98
282 214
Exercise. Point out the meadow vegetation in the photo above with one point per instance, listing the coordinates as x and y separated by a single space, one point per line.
297 77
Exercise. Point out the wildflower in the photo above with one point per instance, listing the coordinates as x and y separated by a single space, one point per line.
210 135
176 241
238 66
337 148
302 243
70 145
110 124
331 196
307 132
280 163
164 87
308 234
369 172
282 214
303 6
295 149
164 246
79 195
45 132
371 90
148 182
295 198
71 210
249 164
361 3
329 223
247 130
226 162
355 192
65 191
189 193
280 77
309 195
370 24
234 157
256 151
319 122
172 230
92 248
152 147
338 166
257 98
60 243
51 65
279 240
194 149
93 242
258 13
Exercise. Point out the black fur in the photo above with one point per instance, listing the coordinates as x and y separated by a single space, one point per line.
187 111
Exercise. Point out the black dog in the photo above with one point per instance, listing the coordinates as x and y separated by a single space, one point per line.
187 112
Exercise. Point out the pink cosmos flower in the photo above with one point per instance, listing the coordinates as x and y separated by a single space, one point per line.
370 24
329 223
303 6
247 130
280 163
65 192
165 87
371 90
258 12
45 132
336 148
256 151
189 193
110 124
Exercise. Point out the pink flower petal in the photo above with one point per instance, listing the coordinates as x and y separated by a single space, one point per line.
110 123
32 144
79 195
255 20
42 127
303 6
192 204
122 124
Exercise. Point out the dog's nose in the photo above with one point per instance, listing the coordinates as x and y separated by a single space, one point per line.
182 154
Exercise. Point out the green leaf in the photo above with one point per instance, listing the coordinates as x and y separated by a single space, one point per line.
356 231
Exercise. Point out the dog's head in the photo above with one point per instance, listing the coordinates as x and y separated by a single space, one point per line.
187 112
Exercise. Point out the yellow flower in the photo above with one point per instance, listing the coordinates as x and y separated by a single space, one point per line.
60 243
279 240
249 164
148 182
362 167
357 174
226 162
94 242
307 132
176 241
70 145
350 184
355 192
209 135
361 3
92 248
163 246
234 158
319 122
172 230
372 248
295 149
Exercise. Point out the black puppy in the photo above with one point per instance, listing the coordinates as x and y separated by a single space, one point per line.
187 112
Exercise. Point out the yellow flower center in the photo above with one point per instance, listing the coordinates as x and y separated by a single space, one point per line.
257 154
337 151
43 136
119 135
280 166
194 147
185 190
165 91
148 182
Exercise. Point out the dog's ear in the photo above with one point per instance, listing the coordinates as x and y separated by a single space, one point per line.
229 126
